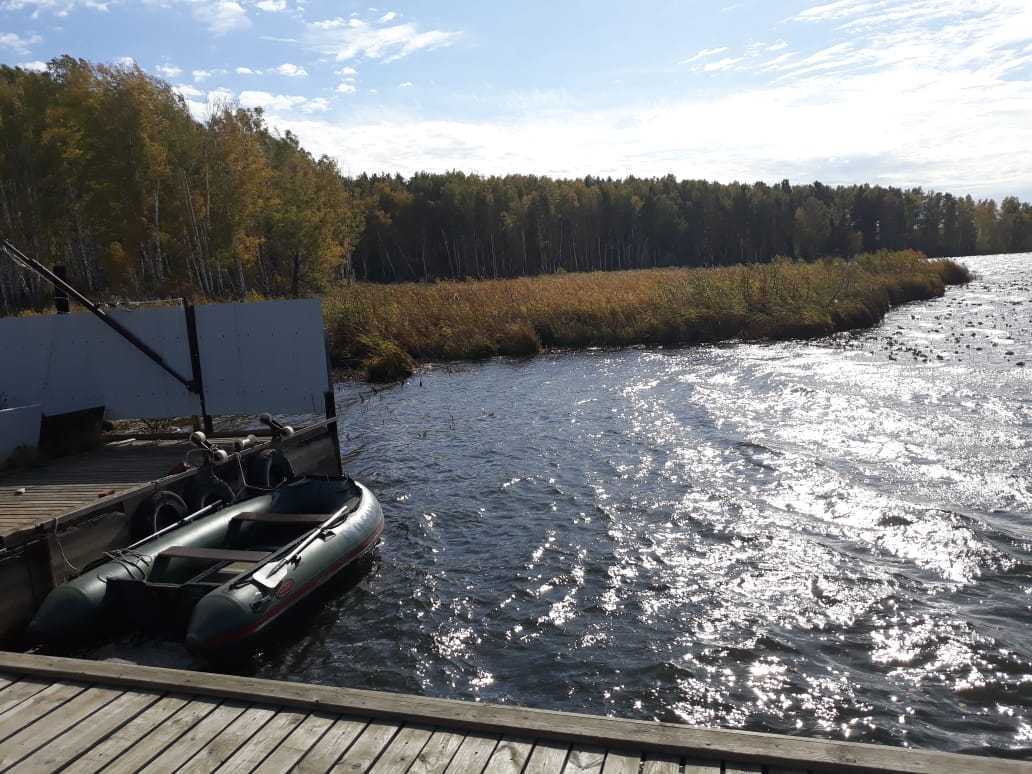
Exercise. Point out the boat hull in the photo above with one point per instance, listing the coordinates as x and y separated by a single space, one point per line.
233 616
97 600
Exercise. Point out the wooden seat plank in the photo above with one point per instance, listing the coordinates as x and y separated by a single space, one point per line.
333 744
144 750
438 752
473 754
296 744
402 750
224 745
29 739
547 758
71 745
585 760
214 554
618 762
510 756
125 737
254 752
367 747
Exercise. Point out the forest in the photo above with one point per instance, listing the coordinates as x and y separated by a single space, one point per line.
104 170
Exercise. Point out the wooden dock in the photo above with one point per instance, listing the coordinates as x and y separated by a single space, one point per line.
59 714
64 487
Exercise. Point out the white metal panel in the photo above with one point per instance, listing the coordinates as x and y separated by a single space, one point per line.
134 385
71 362
267 356
46 360
24 354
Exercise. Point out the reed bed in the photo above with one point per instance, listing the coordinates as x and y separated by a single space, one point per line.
386 329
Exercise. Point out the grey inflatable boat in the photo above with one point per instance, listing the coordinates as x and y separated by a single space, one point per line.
230 573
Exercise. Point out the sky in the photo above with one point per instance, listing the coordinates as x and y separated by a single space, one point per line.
935 93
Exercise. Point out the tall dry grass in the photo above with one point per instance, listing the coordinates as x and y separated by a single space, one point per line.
384 328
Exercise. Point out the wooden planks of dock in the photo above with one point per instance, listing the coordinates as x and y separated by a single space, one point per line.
82 716
35 496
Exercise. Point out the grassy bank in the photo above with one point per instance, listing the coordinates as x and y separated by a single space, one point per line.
385 329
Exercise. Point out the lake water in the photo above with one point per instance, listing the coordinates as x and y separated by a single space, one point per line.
830 538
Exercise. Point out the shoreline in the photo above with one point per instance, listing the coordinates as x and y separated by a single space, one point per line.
382 333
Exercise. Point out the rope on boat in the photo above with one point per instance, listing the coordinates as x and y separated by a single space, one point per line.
57 540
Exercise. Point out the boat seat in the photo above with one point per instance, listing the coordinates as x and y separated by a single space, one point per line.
263 517
215 554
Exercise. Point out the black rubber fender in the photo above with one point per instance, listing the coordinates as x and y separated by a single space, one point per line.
157 512
269 469
206 491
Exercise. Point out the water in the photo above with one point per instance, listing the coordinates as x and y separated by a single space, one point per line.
828 539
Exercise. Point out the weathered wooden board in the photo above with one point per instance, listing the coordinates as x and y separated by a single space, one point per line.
493 721
510 756
585 760
125 737
402 750
331 746
250 755
624 763
116 717
84 736
296 744
438 752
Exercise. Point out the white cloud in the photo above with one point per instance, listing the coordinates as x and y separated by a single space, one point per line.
247 71
283 103
721 64
220 16
406 85
704 54
201 75
352 38
271 6
17 43
291 70
56 7
901 99
347 72
35 67
388 17
187 91
125 61
168 71
317 105
346 88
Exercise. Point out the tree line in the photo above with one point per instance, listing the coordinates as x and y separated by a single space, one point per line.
456 225
103 169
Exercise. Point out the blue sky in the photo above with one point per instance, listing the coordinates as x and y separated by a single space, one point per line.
935 93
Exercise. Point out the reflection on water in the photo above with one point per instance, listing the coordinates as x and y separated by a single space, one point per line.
828 538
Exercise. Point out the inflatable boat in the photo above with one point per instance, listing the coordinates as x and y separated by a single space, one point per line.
229 573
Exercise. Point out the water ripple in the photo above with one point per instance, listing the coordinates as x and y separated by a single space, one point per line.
827 538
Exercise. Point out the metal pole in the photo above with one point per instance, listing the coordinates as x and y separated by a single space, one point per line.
25 262
60 297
